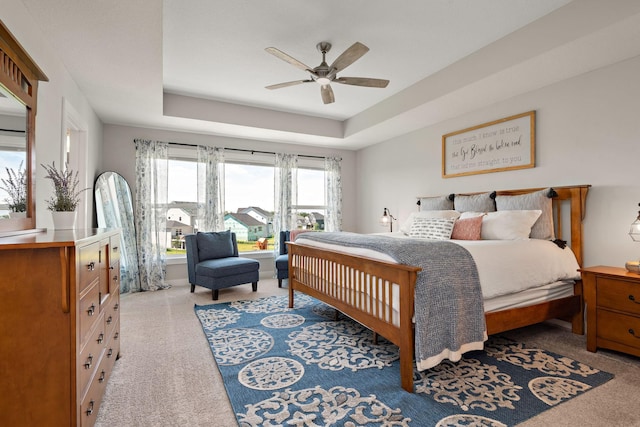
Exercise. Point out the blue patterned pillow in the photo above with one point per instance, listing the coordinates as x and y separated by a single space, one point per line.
214 245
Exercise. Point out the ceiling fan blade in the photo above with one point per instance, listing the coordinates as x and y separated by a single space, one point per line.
348 57
287 84
362 81
291 60
327 94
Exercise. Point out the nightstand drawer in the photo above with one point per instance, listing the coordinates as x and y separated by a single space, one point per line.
619 328
619 295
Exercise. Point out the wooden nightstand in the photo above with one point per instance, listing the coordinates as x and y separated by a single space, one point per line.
612 296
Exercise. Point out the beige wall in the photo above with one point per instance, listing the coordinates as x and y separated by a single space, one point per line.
588 132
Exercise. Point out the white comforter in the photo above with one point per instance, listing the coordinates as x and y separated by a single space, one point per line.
504 266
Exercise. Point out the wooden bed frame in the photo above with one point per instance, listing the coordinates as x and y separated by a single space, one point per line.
322 273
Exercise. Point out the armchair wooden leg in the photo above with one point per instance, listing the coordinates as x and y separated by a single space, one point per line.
254 286
279 283
214 294
193 287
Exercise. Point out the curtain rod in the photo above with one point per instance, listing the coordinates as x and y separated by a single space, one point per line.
248 151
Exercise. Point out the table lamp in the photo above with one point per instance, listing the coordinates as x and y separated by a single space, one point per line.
634 232
387 218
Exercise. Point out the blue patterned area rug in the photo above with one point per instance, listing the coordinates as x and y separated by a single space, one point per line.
302 367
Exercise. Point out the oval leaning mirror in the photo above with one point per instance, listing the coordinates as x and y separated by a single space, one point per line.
114 209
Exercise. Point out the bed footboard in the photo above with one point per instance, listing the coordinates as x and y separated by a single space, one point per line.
363 289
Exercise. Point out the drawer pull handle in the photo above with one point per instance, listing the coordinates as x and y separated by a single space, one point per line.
632 332
632 298
91 266
109 320
115 278
89 362
100 338
90 409
115 307
102 375
116 335
115 249
110 352
91 310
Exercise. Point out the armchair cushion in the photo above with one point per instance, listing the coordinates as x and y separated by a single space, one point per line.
223 267
214 245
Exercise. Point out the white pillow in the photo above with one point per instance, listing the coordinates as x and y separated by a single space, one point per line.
508 225
432 228
406 226
471 214
543 228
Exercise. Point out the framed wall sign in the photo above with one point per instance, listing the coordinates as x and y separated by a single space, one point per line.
501 145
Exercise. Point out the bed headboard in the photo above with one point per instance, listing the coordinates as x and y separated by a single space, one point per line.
569 208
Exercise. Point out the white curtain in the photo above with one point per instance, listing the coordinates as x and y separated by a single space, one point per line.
151 212
286 194
210 189
333 191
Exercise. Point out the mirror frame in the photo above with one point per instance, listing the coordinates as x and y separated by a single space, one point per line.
20 75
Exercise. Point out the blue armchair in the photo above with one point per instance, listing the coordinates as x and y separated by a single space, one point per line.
213 262
282 260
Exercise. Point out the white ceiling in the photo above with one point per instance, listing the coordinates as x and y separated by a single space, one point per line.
200 65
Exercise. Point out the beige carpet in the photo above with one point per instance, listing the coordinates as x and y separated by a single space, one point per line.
166 375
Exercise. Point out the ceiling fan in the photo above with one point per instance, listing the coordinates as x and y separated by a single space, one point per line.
325 74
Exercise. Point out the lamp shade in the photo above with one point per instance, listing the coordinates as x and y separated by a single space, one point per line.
634 232
387 219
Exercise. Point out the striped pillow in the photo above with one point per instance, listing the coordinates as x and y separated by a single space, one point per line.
432 228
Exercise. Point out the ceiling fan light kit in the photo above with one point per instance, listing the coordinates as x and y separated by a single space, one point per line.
325 74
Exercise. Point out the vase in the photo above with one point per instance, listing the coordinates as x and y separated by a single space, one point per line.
64 220
17 214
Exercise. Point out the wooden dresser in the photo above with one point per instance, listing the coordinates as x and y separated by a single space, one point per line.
59 325
612 295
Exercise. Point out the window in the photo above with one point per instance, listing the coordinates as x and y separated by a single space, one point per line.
249 195
311 206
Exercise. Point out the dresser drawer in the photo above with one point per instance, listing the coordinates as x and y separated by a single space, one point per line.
618 295
114 278
112 314
91 402
114 245
88 261
619 328
91 354
113 347
89 311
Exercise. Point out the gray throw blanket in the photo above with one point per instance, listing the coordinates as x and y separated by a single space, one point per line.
449 312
